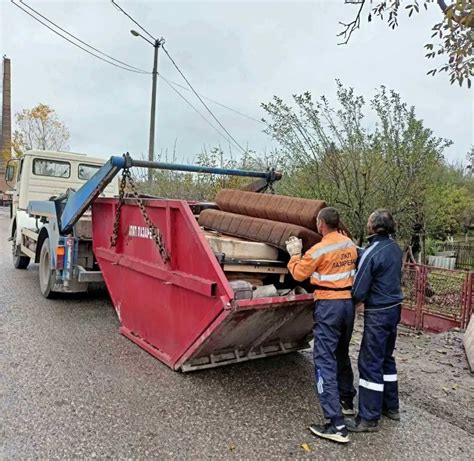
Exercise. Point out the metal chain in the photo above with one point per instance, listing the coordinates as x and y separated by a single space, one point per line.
115 232
155 233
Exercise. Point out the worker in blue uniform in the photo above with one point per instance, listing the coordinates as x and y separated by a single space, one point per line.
377 285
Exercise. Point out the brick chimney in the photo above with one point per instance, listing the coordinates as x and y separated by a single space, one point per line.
6 133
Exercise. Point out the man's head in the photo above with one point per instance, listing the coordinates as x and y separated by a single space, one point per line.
381 222
327 220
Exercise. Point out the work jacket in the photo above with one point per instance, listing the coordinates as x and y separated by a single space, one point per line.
378 279
330 264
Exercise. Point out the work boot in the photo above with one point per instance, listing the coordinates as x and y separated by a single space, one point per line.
331 432
392 414
347 408
361 425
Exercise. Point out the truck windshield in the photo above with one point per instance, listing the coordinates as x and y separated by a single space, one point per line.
55 168
87 171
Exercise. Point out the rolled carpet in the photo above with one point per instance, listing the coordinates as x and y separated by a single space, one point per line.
260 230
299 211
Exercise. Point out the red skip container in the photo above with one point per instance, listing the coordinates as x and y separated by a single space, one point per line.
183 312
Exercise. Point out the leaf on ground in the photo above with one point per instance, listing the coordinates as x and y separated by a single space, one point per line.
306 447
232 447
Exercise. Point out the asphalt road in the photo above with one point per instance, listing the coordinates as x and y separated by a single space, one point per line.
72 387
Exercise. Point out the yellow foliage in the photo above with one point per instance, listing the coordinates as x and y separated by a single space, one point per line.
5 155
18 143
39 128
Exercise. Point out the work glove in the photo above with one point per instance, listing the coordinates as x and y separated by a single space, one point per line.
294 246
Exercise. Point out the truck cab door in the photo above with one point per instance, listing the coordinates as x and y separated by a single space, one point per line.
16 190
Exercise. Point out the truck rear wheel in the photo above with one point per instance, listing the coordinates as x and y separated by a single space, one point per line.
20 262
46 274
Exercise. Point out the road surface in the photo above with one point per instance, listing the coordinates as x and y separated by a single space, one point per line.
72 387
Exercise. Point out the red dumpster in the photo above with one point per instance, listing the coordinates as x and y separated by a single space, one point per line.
183 311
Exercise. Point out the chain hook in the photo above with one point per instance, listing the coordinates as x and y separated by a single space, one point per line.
154 232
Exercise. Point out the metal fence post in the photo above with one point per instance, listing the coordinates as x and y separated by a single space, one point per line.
420 290
464 302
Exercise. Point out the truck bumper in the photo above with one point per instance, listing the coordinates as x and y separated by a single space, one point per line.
85 276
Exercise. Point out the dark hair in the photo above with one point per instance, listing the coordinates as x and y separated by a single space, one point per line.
330 216
382 222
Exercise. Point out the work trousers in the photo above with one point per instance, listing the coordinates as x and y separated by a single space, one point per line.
333 325
378 384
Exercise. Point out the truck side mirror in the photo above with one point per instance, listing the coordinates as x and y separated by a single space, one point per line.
10 172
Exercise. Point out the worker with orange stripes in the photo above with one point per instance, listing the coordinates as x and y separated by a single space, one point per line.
330 265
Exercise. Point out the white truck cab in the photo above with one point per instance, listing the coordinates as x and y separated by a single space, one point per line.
41 175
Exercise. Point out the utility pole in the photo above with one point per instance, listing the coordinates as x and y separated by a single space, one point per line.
151 144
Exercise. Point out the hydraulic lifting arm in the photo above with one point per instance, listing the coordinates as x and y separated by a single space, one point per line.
76 203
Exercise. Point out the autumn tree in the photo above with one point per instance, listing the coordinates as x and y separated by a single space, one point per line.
470 161
331 153
454 31
39 128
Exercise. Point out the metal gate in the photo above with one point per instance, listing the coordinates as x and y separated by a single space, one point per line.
436 299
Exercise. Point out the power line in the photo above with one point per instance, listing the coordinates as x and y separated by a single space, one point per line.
234 110
177 84
81 41
75 44
131 68
202 101
215 102
194 108
179 70
133 20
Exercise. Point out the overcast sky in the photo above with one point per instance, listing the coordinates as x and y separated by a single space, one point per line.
238 53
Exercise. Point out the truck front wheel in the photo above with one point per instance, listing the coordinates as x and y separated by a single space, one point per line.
46 274
20 262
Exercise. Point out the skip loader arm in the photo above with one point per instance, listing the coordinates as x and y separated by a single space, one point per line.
76 203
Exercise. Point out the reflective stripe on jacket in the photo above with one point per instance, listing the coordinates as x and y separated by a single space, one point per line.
330 264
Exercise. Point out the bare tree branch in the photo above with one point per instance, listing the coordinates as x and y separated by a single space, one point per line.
352 26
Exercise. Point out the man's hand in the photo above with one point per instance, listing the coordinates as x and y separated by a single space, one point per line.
294 246
359 308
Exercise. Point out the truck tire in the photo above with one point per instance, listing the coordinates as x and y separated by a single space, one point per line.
46 274
20 262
